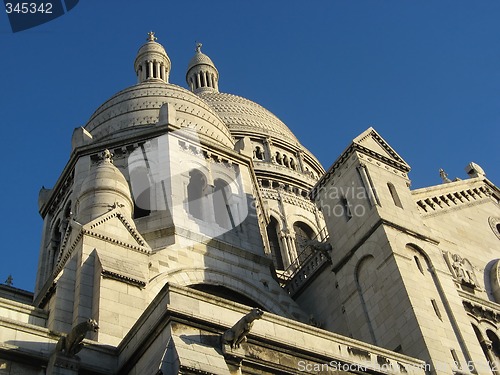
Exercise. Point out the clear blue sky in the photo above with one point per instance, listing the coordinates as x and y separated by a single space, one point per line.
425 74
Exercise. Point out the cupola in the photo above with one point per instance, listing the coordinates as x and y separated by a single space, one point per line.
202 75
104 188
152 62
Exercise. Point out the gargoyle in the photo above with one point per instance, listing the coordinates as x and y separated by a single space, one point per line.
72 343
238 333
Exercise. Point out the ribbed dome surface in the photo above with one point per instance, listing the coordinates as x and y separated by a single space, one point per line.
243 115
140 104
151 46
200 58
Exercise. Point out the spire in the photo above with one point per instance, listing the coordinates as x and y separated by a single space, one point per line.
202 75
152 62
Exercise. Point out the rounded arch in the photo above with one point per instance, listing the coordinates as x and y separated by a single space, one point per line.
495 342
303 234
191 276
489 342
278 216
418 254
194 165
230 179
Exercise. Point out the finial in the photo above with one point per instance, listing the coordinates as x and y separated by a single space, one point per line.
9 281
151 37
444 176
106 156
198 47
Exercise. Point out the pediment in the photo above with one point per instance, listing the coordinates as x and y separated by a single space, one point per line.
116 228
373 143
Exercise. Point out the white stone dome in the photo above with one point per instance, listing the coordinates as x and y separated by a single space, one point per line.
244 116
140 104
200 59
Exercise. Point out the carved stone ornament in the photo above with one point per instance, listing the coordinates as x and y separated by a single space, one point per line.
462 270
71 344
238 333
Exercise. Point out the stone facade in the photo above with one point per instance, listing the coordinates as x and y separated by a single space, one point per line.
179 210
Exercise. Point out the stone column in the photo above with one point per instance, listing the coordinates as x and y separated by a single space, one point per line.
150 64
321 226
291 246
300 159
368 185
157 68
163 72
285 249
198 80
267 146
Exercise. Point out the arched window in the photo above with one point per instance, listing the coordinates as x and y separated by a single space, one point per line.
292 164
303 234
222 208
67 217
259 153
195 194
394 195
141 192
495 344
346 208
274 243
55 243
279 158
490 346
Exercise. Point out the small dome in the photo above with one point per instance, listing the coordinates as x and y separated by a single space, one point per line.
152 61
103 188
202 75
200 58
140 105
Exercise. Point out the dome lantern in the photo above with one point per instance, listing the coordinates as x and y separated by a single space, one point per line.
202 75
152 62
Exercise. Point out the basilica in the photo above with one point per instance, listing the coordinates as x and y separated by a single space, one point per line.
190 232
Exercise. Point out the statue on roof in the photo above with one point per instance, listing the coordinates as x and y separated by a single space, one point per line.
9 281
444 176
151 37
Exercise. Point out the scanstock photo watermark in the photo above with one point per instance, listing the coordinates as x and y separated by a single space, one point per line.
343 201
453 367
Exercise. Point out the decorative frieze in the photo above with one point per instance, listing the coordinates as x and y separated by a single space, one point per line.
288 196
481 312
